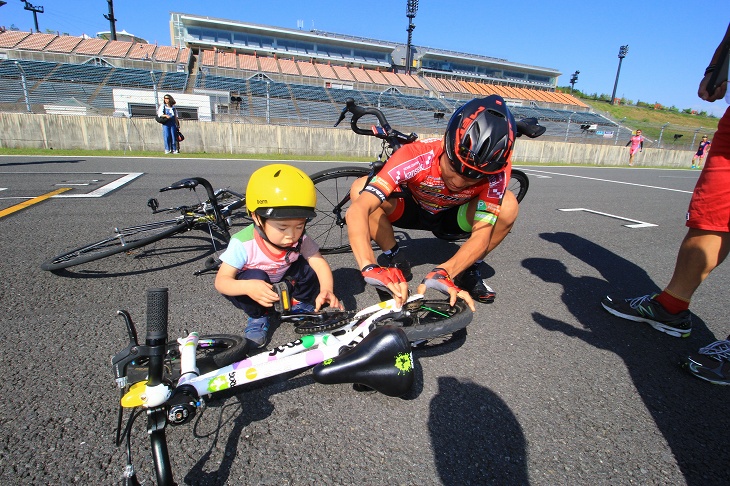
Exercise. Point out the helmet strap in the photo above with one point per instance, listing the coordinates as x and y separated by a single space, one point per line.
259 225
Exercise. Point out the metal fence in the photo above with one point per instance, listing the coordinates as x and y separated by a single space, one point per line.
38 88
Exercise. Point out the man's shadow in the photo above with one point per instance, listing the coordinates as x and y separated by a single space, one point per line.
475 436
691 414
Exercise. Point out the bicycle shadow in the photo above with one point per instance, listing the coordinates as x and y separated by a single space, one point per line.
689 419
258 406
475 436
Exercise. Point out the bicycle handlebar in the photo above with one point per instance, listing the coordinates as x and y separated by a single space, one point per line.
156 332
393 137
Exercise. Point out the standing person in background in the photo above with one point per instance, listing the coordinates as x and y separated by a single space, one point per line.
169 128
705 246
702 152
637 145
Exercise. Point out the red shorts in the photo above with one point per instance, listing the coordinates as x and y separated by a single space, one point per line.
709 208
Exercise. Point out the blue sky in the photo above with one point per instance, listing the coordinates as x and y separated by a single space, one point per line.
670 41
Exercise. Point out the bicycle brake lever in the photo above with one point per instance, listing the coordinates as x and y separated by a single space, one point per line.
342 116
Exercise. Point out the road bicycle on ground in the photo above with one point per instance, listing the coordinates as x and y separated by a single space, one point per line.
333 185
212 215
170 380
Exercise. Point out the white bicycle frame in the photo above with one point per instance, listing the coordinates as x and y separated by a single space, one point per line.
305 352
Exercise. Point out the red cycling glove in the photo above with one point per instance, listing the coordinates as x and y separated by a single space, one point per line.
438 279
380 277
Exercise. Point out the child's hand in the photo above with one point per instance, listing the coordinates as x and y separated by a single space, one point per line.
329 297
261 292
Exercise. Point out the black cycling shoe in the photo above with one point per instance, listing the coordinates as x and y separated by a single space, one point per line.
396 261
471 280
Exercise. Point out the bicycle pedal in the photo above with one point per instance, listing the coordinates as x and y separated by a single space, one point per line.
284 303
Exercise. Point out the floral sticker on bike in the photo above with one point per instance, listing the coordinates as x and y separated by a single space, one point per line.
218 383
404 363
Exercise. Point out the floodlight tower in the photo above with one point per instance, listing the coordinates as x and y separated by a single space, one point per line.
411 9
111 19
35 10
622 51
573 80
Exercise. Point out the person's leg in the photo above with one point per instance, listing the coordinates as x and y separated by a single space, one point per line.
244 302
166 138
302 283
173 137
699 254
507 216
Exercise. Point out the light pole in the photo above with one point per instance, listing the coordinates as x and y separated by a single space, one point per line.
618 130
622 51
573 80
411 9
661 133
568 128
25 86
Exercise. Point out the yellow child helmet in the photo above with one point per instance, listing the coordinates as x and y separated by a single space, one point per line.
281 191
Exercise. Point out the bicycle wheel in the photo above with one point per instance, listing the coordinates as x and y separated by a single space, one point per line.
333 198
518 184
214 352
430 319
122 240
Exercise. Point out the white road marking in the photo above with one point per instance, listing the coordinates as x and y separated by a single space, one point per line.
637 223
609 180
128 177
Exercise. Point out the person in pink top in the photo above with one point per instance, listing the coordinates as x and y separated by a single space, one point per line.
637 145
281 200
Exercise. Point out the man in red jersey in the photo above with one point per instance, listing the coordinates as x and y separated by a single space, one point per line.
454 185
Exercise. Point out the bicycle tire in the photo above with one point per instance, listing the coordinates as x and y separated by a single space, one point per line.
214 352
431 319
124 240
328 229
519 183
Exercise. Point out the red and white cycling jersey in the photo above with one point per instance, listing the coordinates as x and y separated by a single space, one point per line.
416 167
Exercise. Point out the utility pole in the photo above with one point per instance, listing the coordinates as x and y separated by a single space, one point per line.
622 51
111 19
35 10
411 9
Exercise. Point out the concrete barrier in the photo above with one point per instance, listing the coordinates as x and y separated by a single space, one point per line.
21 130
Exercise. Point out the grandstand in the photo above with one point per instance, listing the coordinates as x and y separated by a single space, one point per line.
262 74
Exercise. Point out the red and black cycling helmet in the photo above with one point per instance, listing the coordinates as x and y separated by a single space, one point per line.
480 136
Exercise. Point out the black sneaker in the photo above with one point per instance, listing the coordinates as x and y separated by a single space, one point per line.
711 363
646 309
396 261
471 280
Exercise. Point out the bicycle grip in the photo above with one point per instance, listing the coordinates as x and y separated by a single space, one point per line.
156 316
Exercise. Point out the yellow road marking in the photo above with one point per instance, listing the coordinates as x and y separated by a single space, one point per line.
31 202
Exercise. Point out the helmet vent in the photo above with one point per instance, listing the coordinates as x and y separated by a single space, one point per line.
276 174
496 113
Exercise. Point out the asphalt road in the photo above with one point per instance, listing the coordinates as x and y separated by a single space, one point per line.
546 388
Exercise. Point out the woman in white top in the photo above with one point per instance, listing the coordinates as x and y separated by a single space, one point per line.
169 128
